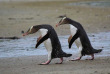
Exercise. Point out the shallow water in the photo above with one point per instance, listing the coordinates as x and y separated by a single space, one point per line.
92 3
26 46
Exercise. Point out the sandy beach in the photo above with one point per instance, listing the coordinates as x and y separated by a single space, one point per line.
29 65
18 16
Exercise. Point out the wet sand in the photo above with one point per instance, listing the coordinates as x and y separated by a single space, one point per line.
18 16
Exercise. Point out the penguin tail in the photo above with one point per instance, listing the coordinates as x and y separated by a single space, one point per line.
97 51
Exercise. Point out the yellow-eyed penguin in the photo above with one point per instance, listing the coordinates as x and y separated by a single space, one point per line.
79 36
51 42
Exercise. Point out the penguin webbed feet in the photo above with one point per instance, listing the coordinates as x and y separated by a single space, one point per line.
46 63
77 59
92 55
61 61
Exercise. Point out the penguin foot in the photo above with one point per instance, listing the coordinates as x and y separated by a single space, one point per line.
61 61
75 59
46 63
43 64
92 55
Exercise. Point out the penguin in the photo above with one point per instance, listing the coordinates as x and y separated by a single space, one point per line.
51 42
79 36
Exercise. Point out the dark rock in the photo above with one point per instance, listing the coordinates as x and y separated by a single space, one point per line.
14 37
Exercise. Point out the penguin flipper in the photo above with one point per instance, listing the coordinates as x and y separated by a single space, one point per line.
74 38
42 39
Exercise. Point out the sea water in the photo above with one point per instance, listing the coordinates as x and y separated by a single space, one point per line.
26 45
91 3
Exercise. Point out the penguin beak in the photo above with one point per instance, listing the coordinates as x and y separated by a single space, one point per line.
57 24
60 23
24 34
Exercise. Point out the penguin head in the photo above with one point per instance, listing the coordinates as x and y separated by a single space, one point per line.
64 20
31 30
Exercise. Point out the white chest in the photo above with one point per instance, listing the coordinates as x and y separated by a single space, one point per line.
73 30
47 42
43 32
